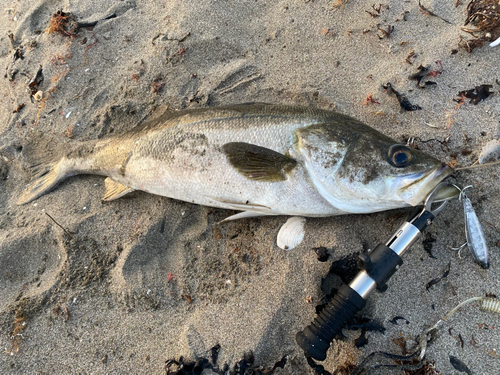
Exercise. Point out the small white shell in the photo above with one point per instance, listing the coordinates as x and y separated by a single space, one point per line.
38 96
291 233
495 43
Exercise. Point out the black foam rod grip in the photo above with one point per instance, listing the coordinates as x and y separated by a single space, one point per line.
316 338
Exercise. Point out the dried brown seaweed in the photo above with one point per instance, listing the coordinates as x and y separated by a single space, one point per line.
484 16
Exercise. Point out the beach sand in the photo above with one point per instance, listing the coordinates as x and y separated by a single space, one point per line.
145 279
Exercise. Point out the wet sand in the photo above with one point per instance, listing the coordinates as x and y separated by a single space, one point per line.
145 279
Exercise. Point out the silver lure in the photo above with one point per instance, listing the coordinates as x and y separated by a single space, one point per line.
476 241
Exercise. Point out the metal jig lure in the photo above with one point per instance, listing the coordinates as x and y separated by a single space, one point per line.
476 241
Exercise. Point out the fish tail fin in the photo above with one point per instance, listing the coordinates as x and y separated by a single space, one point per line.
46 175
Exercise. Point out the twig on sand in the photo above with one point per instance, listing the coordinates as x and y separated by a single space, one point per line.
60 226
427 11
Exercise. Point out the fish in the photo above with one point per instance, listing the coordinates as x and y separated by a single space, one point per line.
257 158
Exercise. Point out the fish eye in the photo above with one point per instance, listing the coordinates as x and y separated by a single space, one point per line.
399 156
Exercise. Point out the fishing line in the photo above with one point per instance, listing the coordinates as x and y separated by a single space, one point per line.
473 166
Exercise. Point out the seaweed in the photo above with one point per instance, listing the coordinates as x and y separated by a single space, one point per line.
484 14
427 243
370 100
183 366
36 81
385 33
318 369
402 99
322 253
477 94
396 318
411 55
368 325
62 23
438 279
425 71
377 10
361 340
346 267
66 25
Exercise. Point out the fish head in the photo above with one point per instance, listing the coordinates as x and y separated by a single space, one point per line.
359 170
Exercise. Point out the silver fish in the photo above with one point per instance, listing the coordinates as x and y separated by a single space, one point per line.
258 158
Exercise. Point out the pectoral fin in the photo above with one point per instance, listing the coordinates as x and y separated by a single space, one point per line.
258 163
114 190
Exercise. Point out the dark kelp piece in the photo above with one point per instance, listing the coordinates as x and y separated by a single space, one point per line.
419 76
244 366
396 318
361 340
459 338
322 253
424 71
459 365
214 354
35 82
477 94
258 163
410 367
427 243
385 33
438 279
403 100
317 368
367 324
346 267
483 91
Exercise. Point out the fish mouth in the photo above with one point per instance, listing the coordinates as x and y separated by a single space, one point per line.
424 183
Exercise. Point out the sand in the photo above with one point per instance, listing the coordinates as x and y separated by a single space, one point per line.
145 279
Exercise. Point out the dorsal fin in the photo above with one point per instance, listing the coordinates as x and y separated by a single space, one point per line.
114 190
258 163
160 115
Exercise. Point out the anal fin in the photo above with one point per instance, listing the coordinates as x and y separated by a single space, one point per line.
114 190
245 215
249 209
233 205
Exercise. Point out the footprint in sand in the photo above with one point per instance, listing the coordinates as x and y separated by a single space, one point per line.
29 265
146 263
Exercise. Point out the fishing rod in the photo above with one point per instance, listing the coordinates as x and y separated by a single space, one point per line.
377 268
